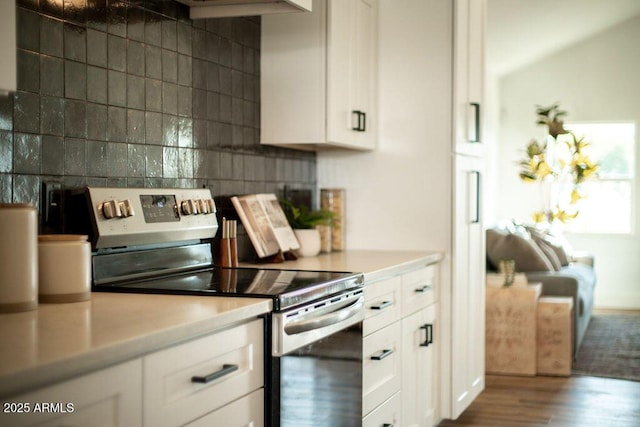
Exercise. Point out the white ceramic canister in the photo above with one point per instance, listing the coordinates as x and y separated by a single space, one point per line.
65 268
18 257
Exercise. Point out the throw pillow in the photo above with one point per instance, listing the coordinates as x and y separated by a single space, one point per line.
519 247
550 252
555 241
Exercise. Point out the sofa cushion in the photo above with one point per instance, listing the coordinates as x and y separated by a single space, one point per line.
519 247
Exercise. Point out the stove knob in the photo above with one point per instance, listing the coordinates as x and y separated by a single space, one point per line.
203 207
212 205
188 207
126 208
110 209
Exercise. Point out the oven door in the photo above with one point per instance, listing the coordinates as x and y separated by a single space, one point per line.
296 328
319 383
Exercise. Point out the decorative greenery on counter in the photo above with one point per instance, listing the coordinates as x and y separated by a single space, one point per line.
300 217
558 163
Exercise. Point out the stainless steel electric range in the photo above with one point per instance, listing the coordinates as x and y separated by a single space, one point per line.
159 241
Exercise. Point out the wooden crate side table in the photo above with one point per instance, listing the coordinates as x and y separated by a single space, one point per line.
511 331
555 336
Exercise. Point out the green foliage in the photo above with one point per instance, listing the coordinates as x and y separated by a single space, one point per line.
300 217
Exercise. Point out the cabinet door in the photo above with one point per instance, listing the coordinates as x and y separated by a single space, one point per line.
467 286
351 72
420 373
110 397
468 71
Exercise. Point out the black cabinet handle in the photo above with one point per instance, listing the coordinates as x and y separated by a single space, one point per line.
382 305
476 219
428 328
226 369
387 425
423 289
382 354
476 136
361 120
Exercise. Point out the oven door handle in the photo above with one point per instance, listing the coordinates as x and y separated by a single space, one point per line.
328 319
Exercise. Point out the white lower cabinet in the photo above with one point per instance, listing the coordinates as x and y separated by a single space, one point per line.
214 380
109 397
389 414
188 381
247 411
419 368
400 350
381 366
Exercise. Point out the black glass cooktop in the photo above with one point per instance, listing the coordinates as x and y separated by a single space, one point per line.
287 288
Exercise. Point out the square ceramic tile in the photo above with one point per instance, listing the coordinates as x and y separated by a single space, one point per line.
97 84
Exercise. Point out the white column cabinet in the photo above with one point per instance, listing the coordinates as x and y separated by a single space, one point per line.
468 65
318 76
467 291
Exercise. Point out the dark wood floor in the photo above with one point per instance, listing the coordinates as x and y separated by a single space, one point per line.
553 401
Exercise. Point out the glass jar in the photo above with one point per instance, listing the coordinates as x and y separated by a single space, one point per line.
333 200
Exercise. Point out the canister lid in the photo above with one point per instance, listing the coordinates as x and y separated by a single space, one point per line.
62 238
17 206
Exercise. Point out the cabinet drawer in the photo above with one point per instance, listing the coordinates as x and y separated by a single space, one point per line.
387 414
381 370
381 304
419 289
110 397
231 359
246 411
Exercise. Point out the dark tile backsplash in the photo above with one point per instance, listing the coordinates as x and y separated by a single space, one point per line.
133 93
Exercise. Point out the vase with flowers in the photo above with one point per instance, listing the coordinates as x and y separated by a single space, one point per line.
559 165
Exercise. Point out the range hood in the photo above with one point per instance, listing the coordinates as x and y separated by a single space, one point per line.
227 8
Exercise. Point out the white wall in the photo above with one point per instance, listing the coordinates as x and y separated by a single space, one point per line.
594 80
399 196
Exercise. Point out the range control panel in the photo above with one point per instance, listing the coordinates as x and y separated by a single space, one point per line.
141 216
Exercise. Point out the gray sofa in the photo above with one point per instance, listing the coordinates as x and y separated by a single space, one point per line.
576 280
561 274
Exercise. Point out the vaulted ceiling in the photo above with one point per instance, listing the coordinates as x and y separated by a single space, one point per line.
522 31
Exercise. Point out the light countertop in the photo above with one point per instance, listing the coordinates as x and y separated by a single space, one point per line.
59 341
375 264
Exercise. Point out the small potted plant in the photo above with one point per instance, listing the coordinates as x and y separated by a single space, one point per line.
305 224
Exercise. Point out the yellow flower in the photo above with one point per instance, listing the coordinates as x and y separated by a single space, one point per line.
575 196
543 169
538 216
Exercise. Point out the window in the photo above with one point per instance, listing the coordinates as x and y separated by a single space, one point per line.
609 201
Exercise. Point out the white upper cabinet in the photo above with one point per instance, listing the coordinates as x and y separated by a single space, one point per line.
226 8
8 73
318 77
468 39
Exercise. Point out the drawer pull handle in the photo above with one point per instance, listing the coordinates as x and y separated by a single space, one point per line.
387 425
423 289
382 305
382 354
226 369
